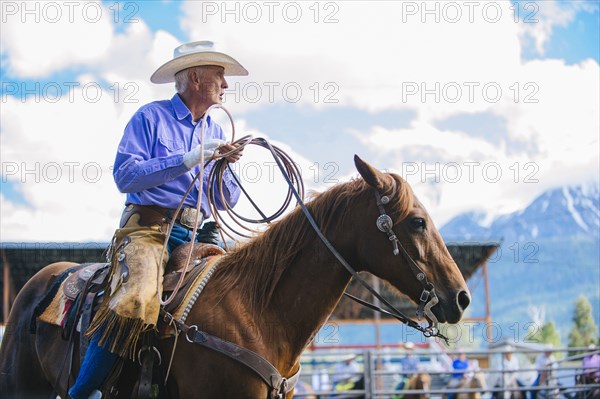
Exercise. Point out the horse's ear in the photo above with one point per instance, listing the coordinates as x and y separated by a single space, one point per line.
372 176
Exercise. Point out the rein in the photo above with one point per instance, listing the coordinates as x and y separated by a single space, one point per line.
280 386
428 297
292 176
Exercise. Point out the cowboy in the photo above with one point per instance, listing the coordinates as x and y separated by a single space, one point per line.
346 373
156 161
546 364
410 365
460 365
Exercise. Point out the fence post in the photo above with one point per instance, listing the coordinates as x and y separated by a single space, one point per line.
368 374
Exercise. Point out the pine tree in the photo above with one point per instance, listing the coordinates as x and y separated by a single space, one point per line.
584 331
546 335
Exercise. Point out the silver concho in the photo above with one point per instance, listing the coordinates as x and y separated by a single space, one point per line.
384 223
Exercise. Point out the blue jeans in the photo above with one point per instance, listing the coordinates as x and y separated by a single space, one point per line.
536 383
96 366
181 235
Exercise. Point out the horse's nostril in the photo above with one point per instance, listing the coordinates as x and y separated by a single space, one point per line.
463 299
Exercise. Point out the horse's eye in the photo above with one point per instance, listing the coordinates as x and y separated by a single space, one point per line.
417 224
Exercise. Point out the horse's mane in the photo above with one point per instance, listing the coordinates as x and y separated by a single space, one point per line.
257 266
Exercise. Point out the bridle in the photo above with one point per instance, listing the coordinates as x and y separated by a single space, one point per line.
278 385
428 298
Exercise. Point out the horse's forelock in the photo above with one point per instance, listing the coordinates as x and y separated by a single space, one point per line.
402 195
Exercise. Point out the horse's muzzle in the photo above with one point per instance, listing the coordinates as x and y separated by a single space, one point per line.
451 310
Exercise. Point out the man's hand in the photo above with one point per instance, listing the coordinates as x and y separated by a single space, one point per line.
194 157
233 157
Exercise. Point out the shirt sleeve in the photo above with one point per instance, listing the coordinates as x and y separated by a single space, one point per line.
135 169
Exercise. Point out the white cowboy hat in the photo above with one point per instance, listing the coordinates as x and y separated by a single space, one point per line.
347 357
196 54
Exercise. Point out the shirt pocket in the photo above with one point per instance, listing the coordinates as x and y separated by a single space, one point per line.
169 146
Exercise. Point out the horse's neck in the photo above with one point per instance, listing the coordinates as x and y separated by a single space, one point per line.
299 293
306 296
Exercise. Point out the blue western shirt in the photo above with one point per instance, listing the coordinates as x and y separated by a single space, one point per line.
149 163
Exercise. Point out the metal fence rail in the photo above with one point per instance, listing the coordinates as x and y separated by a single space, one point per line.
379 373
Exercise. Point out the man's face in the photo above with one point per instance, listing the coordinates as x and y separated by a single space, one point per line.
212 84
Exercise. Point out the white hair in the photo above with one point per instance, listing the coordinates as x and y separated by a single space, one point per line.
182 78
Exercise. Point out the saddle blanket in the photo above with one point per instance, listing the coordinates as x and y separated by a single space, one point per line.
57 310
54 308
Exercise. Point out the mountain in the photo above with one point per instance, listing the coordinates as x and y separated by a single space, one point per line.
549 255
561 212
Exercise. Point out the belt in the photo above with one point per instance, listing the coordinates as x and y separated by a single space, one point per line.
153 214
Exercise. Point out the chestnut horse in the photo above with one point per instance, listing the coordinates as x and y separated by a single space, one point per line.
272 295
475 382
420 382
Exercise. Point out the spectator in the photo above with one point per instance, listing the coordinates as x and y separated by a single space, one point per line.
545 363
460 365
346 374
509 379
591 366
410 365
320 380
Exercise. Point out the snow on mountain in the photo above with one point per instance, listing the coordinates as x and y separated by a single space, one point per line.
560 212
549 255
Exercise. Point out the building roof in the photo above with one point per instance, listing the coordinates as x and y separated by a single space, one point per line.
25 259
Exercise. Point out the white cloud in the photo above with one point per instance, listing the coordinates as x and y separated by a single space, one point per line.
371 51
63 168
58 155
372 55
40 38
379 50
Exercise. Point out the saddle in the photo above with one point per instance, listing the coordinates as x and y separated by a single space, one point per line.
201 255
76 281
82 287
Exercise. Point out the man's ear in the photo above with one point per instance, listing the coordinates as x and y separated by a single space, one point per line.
193 77
372 176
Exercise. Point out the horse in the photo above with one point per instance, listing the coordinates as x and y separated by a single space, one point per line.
418 382
516 391
472 381
589 375
270 295
583 391
305 389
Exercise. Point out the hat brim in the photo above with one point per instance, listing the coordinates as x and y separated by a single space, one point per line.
166 72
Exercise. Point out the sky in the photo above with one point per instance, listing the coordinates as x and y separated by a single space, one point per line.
481 106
